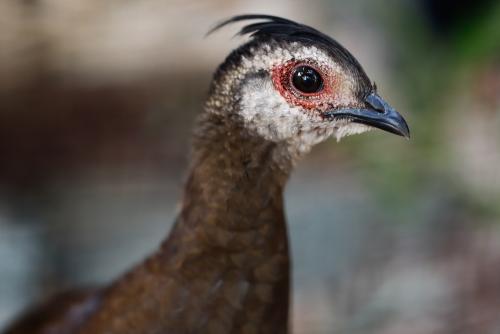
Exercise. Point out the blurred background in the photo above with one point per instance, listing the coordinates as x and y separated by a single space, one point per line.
97 103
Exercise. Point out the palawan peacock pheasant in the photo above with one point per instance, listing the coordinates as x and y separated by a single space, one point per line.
225 267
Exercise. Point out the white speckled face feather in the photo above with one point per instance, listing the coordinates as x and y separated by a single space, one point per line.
265 110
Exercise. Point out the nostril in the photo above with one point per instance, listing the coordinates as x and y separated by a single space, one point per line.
376 103
378 109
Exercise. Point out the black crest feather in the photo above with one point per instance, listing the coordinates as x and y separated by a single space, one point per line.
274 27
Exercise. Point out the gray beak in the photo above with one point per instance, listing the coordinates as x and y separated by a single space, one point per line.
378 114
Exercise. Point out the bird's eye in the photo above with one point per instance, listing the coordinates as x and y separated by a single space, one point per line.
307 80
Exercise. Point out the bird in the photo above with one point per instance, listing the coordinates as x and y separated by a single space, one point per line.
225 265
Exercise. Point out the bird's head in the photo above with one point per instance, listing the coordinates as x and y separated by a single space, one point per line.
292 83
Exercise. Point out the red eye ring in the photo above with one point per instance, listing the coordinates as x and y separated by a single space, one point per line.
282 76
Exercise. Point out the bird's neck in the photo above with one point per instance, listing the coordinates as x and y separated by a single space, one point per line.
231 229
233 198
235 175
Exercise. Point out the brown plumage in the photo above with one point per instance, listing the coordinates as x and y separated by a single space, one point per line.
225 267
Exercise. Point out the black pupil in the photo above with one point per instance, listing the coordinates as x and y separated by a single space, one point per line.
307 79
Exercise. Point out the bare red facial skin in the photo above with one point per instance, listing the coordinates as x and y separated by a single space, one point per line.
320 101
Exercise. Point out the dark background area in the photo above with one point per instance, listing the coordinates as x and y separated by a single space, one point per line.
97 104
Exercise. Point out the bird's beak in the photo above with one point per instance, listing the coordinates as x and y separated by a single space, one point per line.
378 114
